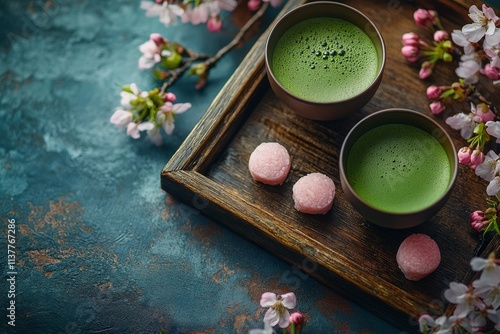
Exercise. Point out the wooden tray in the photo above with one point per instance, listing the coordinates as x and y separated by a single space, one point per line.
340 249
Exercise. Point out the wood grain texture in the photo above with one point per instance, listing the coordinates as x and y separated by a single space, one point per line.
340 248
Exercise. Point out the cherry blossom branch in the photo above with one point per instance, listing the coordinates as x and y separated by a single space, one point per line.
239 37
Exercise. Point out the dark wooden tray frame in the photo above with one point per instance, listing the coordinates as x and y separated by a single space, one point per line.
187 176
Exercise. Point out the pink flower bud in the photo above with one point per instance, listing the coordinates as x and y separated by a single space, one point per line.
297 318
484 113
491 72
410 52
441 35
425 71
476 158
464 155
477 215
437 107
411 39
158 39
253 5
433 92
169 97
477 225
423 17
214 24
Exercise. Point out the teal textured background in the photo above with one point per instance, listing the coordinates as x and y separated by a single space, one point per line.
100 248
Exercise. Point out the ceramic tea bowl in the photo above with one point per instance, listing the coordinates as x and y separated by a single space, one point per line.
325 60
397 167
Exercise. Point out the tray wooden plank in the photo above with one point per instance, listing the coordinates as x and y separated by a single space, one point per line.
340 248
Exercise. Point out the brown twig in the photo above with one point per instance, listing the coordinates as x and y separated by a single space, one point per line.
210 61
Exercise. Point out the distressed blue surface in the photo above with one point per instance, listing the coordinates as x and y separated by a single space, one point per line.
99 247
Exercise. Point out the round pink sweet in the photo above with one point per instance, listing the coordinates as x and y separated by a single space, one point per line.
418 256
269 163
314 193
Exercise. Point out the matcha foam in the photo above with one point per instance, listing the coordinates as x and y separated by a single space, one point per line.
398 168
325 59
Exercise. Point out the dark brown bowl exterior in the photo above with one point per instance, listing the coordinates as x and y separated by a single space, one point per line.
324 111
396 116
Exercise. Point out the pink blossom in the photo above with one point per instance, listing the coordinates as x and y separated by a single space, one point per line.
410 38
169 97
476 158
491 72
441 35
459 39
158 39
278 314
437 107
151 54
424 17
425 70
253 5
214 24
411 53
297 319
484 25
464 155
462 122
477 215
433 92
469 71
483 112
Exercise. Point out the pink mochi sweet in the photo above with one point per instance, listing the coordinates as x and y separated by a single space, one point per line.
418 256
314 193
269 163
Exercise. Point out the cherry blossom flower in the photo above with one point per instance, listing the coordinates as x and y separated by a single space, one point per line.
437 107
489 290
426 322
483 26
488 266
214 24
469 70
478 220
411 53
167 12
482 112
464 155
458 37
424 18
493 55
490 166
463 296
462 122
493 129
121 118
491 72
433 92
410 38
134 129
151 53
167 112
476 158
278 314
493 188
440 36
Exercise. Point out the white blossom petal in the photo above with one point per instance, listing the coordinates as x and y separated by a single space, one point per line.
493 187
268 299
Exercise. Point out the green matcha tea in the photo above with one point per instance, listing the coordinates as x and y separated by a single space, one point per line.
398 168
325 60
